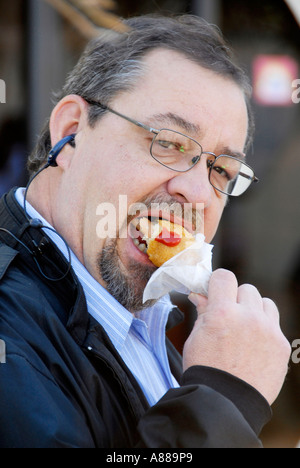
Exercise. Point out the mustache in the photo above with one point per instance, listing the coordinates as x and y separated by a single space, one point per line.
169 208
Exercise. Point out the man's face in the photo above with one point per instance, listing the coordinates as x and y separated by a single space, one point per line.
113 159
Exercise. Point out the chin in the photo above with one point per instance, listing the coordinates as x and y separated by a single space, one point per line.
125 284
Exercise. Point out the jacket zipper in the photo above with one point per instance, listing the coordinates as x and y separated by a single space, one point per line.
92 350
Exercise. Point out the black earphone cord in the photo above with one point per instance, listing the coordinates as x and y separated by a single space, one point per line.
36 223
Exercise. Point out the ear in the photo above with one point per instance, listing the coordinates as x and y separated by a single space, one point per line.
69 116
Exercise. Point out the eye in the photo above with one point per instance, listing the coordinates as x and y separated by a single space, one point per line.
221 170
166 144
172 145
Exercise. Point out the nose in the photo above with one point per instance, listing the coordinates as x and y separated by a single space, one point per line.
193 186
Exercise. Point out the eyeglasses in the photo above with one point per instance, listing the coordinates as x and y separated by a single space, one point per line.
178 152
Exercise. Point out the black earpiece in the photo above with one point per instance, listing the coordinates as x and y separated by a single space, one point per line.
58 147
34 249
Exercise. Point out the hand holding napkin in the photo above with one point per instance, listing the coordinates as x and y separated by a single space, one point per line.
189 271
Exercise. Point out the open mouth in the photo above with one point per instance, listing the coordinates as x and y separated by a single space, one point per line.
142 229
159 239
145 229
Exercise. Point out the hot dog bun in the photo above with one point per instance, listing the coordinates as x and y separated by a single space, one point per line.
164 239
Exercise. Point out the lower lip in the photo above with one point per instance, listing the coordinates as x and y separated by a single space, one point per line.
141 256
136 253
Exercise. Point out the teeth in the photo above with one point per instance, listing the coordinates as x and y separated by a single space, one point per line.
142 247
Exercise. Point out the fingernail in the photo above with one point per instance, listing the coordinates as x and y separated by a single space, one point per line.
193 298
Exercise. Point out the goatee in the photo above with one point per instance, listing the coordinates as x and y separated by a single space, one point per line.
126 287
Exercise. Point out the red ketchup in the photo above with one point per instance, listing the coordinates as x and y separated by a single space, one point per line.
170 239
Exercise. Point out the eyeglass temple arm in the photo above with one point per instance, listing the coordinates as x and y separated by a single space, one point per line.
135 122
253 178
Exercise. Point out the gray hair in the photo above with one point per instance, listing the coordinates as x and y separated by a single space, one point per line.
113 63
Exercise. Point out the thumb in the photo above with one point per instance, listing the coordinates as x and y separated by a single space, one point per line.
199 301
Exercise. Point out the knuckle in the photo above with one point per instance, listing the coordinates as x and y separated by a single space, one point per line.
271 309
270 304
284 347
249 288
287 347
224 274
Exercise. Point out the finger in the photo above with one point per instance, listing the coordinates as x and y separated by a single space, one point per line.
271 309
248 294
223 286
199 301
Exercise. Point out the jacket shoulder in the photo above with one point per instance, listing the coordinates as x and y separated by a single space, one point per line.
7 256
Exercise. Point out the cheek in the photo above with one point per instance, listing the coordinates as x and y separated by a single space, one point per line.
120 195
212 217
137 176
127 170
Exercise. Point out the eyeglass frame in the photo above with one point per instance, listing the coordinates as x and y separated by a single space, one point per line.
156 132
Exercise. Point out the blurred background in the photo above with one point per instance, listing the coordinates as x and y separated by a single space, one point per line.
258 239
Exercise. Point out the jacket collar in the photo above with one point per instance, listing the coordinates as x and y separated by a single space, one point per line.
40 255
27 237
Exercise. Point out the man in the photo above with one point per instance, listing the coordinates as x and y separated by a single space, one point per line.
87 364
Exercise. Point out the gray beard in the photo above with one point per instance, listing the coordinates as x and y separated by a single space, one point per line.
126 287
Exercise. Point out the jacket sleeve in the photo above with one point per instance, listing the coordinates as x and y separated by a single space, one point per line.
211 409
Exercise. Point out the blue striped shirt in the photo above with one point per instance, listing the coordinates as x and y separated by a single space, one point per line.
139 341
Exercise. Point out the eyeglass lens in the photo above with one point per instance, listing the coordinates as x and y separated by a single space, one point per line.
230 175
175 150
179 152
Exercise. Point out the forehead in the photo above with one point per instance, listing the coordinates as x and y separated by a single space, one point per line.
172 71
171 83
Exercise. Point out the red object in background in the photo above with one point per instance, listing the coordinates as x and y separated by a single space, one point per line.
273 77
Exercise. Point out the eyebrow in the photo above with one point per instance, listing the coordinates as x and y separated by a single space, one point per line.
192 129
236 154
175 119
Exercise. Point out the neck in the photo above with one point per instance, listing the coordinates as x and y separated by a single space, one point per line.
40 194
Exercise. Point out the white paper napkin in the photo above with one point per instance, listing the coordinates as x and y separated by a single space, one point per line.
189 271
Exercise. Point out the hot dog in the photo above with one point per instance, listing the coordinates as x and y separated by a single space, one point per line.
163 239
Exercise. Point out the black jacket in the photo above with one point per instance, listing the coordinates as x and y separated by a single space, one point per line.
64 384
